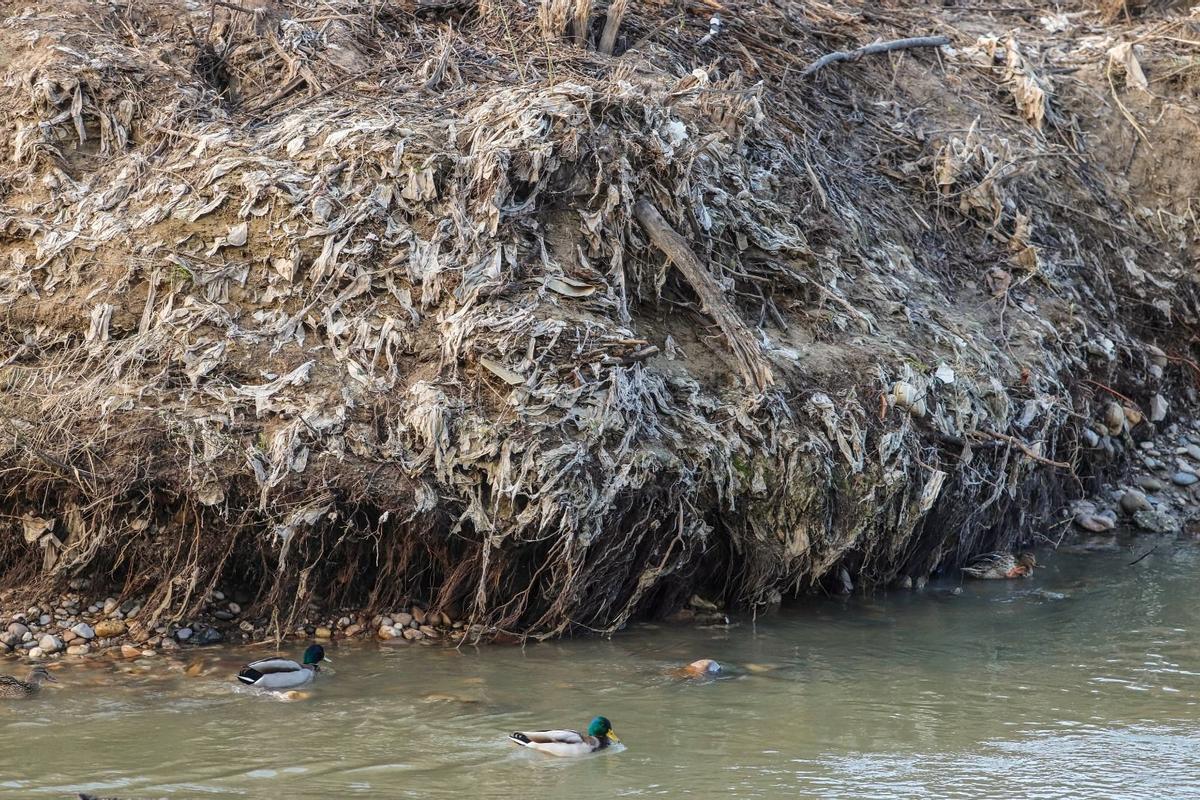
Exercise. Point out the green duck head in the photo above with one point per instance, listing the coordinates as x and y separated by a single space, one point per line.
315 654
601 728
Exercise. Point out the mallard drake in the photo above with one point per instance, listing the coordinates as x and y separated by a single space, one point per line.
14 689
995 566
569 743
280 673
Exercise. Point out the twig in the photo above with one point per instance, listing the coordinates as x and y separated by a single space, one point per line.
645 40
1024 448
1143 555
873 49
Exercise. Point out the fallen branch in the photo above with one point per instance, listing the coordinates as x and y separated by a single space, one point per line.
1024 448
873 49
752 363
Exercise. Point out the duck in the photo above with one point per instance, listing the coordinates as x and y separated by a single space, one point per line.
13 689
702 668
599 735
995 566
281 673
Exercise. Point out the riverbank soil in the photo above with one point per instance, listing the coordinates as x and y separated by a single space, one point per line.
549 315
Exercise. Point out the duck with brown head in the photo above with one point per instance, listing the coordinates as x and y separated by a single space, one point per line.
997 566
14 689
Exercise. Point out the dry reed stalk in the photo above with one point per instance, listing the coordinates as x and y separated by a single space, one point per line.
582 21
612 25
553 17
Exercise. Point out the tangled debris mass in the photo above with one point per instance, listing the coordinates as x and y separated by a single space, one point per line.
560 313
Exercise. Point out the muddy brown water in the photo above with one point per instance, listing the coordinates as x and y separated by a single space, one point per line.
1082 682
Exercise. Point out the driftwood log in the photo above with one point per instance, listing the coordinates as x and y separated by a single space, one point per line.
752 364
873 49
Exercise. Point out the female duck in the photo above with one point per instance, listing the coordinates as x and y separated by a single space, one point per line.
996 566
13 689
569 743
280 673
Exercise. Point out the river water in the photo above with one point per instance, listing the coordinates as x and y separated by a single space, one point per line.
1082 682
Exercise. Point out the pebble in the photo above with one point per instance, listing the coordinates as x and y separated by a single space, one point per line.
1094 522
1090 437
84 631
50 644
110 605
45 619
36 652
1193 452
183 634
10 640
1150 484
1153 521
18 629
223 615
323 633
354 630
1134 501
419 615
430 632
78 650
107 629
412 634
129 651
235 609
209 636
403 620
1184 478
386 632
344 622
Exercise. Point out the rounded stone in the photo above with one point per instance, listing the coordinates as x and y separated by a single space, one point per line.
1134 501
1182 478
403 620
84 631
50 644
1150 484
183 634
107 629
323 633
18 629
78 650
1093 522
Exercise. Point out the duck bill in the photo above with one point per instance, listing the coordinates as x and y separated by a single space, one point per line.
51 678
327 660
612 737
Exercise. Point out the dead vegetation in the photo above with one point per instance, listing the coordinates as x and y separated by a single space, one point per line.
556 312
